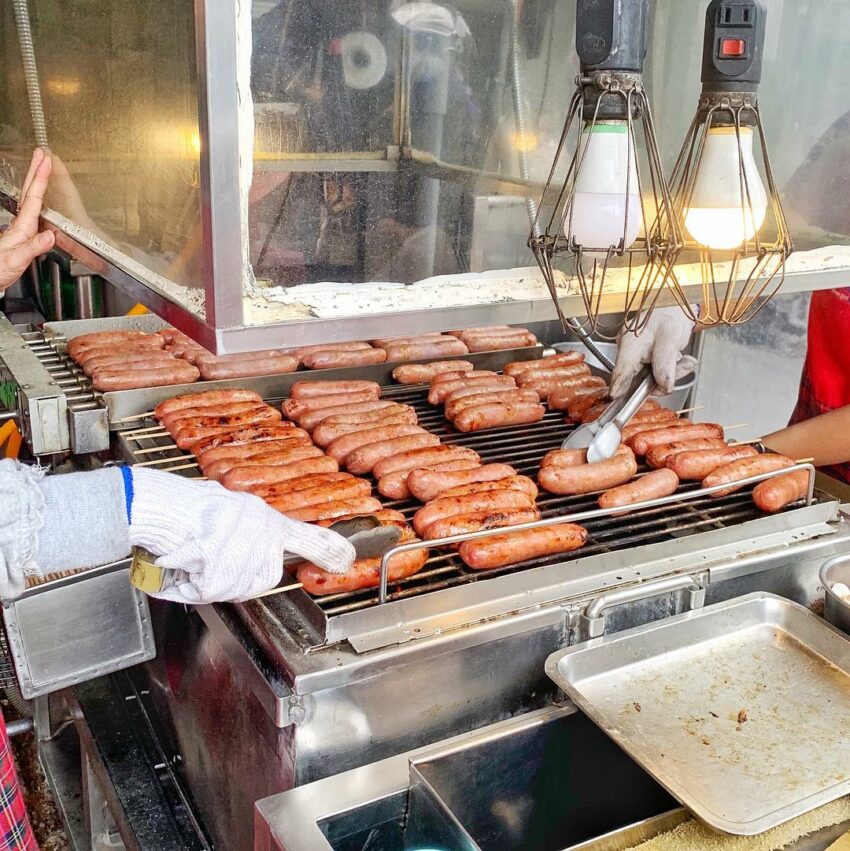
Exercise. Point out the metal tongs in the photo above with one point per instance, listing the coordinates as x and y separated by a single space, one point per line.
603 436
369 538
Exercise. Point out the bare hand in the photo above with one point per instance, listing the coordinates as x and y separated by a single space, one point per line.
22 242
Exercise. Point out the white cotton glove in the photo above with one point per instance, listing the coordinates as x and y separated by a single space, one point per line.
660 343
230 545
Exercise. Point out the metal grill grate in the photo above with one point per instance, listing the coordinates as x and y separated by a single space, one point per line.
521 447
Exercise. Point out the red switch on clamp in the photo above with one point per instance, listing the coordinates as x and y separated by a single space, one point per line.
732 47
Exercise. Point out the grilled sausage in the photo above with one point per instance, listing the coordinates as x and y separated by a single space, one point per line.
774 494
643 442
128 361
340 359
536 375
394 485
288 439
423 457
343 446
514 547
595 411
560 360
311 419
449 347
696 464
179 372
135 347
587 478
452 506
220 370
363 459
294 409
653 415
497 342
391 410
569 390
572 457
634 429
420 373
657 456
457 374
744 468
440 391
478 521
239 436
169 420
483 329
352 346
545 386
429 337
191 432
452 409
499 415
249 478
427 484
206 397
324 435
216 470
202 355
320 494
311 389
517 483
112 338
476 388
299 483
338 508
234 419
653 485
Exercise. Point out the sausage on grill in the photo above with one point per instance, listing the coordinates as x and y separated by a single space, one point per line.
236 419
364 458
299 483
172 421
343 446
774 494
311 389
426 484
587 478
440 391
390 410
423 457
114 339
352 346
338 508
643 442
324 435
431 349
288 439
420 373
206 397
564 359
140 376
394 485
499 415
352 488
216 470
128 361
337 359
496 342
518 483
452 506
240 436
297 408
657 456
478 521
572 389
514 547
744 468
452 409
653 485
311 419
696 464
250 478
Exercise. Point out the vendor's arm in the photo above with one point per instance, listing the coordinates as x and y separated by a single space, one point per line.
825 438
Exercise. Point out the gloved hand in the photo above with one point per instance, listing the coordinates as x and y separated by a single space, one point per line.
231 545
660 343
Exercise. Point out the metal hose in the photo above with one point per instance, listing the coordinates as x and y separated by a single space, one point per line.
530 203
22 22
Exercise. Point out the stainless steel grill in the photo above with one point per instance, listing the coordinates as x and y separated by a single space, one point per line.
523 448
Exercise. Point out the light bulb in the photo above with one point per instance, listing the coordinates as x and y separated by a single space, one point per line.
607 172
724 212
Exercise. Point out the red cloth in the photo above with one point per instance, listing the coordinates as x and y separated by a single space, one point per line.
825 383
15 829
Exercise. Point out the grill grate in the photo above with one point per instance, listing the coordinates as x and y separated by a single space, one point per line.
523 448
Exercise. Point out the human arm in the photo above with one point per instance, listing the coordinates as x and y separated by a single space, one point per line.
825 438
231 545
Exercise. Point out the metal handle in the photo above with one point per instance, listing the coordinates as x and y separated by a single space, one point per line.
594 614
632 406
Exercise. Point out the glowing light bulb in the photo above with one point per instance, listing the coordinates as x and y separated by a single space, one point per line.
607 173
724 212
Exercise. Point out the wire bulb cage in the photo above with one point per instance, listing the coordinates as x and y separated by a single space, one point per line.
606 218
735 237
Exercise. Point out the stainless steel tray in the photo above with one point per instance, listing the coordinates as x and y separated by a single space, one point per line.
670 693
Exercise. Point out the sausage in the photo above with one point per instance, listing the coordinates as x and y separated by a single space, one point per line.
424 457
190 433
567 391
428 337
564 359
337 508
633 429
653 415
329 492
391 410
341 359
460 387
171 421
292 437
299 483
587 478
127 361
216 470
653 485
216 370
311 419
696 464
237 419
202 355
109 338
457 374
239 436
351 346
658 455
595 411
452 506
134 347
774 494
420 373
179 372
497 342
324 434
394 485
545 386
297 408
253 479
431 349
643 442
483 329
364 458
364 573
206 397
572 457
499 415
343 446
516 483
742 469
311 389
427 484
514 547
582 405
537 375
478 521
453 408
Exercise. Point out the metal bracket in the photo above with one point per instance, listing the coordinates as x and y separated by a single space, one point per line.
593 618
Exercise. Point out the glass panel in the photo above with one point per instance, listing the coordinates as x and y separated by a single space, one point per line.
119 86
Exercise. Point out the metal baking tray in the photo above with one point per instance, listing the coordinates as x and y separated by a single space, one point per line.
740 710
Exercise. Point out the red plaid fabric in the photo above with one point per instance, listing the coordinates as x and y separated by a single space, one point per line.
825 382
15 829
